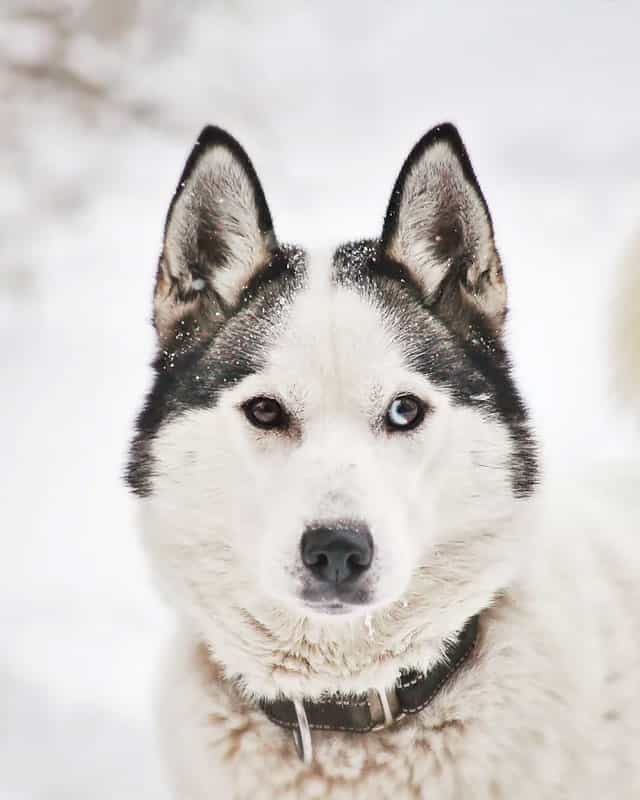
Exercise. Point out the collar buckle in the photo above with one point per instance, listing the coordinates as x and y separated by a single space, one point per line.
384 707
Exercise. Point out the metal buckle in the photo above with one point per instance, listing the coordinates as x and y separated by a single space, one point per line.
302 734
384 707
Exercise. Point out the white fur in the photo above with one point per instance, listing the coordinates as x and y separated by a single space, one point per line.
548 707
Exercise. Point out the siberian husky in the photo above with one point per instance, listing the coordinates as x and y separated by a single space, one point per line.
341 494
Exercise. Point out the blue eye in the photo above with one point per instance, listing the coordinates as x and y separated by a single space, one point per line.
405 412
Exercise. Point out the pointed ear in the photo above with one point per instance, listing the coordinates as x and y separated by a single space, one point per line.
218 235
439 228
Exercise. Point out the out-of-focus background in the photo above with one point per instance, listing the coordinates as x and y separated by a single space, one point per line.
100 102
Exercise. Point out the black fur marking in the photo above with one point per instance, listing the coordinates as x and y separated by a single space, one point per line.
474 368
448 133
194 370
284 260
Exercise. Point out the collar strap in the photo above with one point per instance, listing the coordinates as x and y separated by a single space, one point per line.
372 710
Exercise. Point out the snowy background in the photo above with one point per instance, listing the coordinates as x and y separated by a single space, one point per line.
100 102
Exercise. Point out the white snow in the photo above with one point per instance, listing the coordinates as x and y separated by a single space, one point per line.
101 103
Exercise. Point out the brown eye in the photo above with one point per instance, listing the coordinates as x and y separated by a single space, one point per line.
405 412
265 412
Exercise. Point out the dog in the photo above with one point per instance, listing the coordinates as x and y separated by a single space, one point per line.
380 591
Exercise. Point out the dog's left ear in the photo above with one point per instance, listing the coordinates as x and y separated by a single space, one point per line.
438 227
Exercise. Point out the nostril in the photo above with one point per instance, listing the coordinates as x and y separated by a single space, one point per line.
356 562
321 561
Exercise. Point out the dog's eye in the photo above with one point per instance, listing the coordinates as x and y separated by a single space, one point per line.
265 412
405 412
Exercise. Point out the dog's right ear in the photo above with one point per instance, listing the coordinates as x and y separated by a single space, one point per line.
218 235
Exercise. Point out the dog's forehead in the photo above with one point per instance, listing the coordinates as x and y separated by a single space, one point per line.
334 330
348 330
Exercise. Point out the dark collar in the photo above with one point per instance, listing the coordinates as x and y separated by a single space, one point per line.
372 710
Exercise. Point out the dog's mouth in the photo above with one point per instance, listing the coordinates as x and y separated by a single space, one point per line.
336 600
330 608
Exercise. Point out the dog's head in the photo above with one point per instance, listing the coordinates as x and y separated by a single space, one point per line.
333 460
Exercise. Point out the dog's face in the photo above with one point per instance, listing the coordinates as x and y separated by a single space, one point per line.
333 457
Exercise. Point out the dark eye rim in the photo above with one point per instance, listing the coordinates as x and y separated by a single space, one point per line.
280 421
422 407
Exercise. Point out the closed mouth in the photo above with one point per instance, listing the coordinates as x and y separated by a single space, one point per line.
329 607
339 599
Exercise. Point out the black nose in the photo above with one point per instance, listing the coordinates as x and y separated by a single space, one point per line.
334 553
